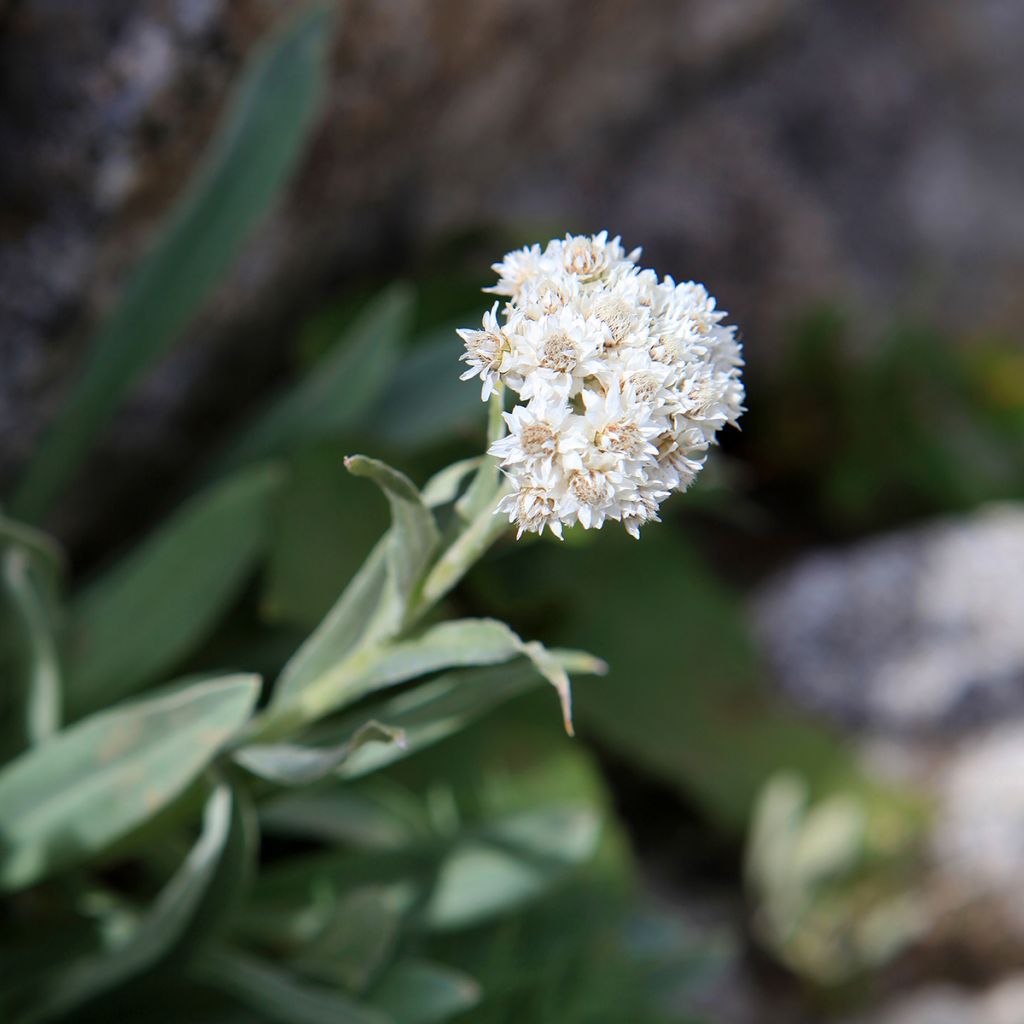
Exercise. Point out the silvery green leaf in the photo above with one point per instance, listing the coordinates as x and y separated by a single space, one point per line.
324 672
156 932
275 993
483 491
184 577
257 144
462 642
346 815
511 862
40 546
235 872
467 642
411 541
341 630
358 939
553 671
446 645
85 787
31 645
443 487
468 547
436 709
289 764
421 992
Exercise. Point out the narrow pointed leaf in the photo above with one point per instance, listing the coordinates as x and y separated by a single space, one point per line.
31 647
341 630
234 873
450 644
258 143
420 992
463 642
40 545
374 604
358 938
289 764
156 933
157 605
556 675
513 861
275 994
443 487
447 645
436 709
412 538
344 815
84 788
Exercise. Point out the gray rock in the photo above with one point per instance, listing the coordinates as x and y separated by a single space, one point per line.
977 843
946 1004
919 631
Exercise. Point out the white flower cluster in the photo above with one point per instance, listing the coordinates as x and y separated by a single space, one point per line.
623 380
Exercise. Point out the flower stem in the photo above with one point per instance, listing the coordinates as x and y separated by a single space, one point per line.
480 533
495 421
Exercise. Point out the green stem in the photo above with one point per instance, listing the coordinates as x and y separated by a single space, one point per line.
482 528
495 420
467 549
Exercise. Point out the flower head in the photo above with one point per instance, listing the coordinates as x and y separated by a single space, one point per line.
623 381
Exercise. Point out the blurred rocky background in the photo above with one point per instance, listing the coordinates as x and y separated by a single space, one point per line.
783 151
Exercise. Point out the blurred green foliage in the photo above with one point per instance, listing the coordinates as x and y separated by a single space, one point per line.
915 425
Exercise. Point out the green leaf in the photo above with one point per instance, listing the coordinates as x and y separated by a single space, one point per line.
373 606
412 539
446 645
332 396
432 711
82 789
36 665
346 816
463 642
347 623
156 933
41 546
276 994
443 487
420 992
289 764
234 875
156 606
257 145
512 862
357 939
468 547
475 641
436 709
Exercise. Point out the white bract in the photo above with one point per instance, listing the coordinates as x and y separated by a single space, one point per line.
623 383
